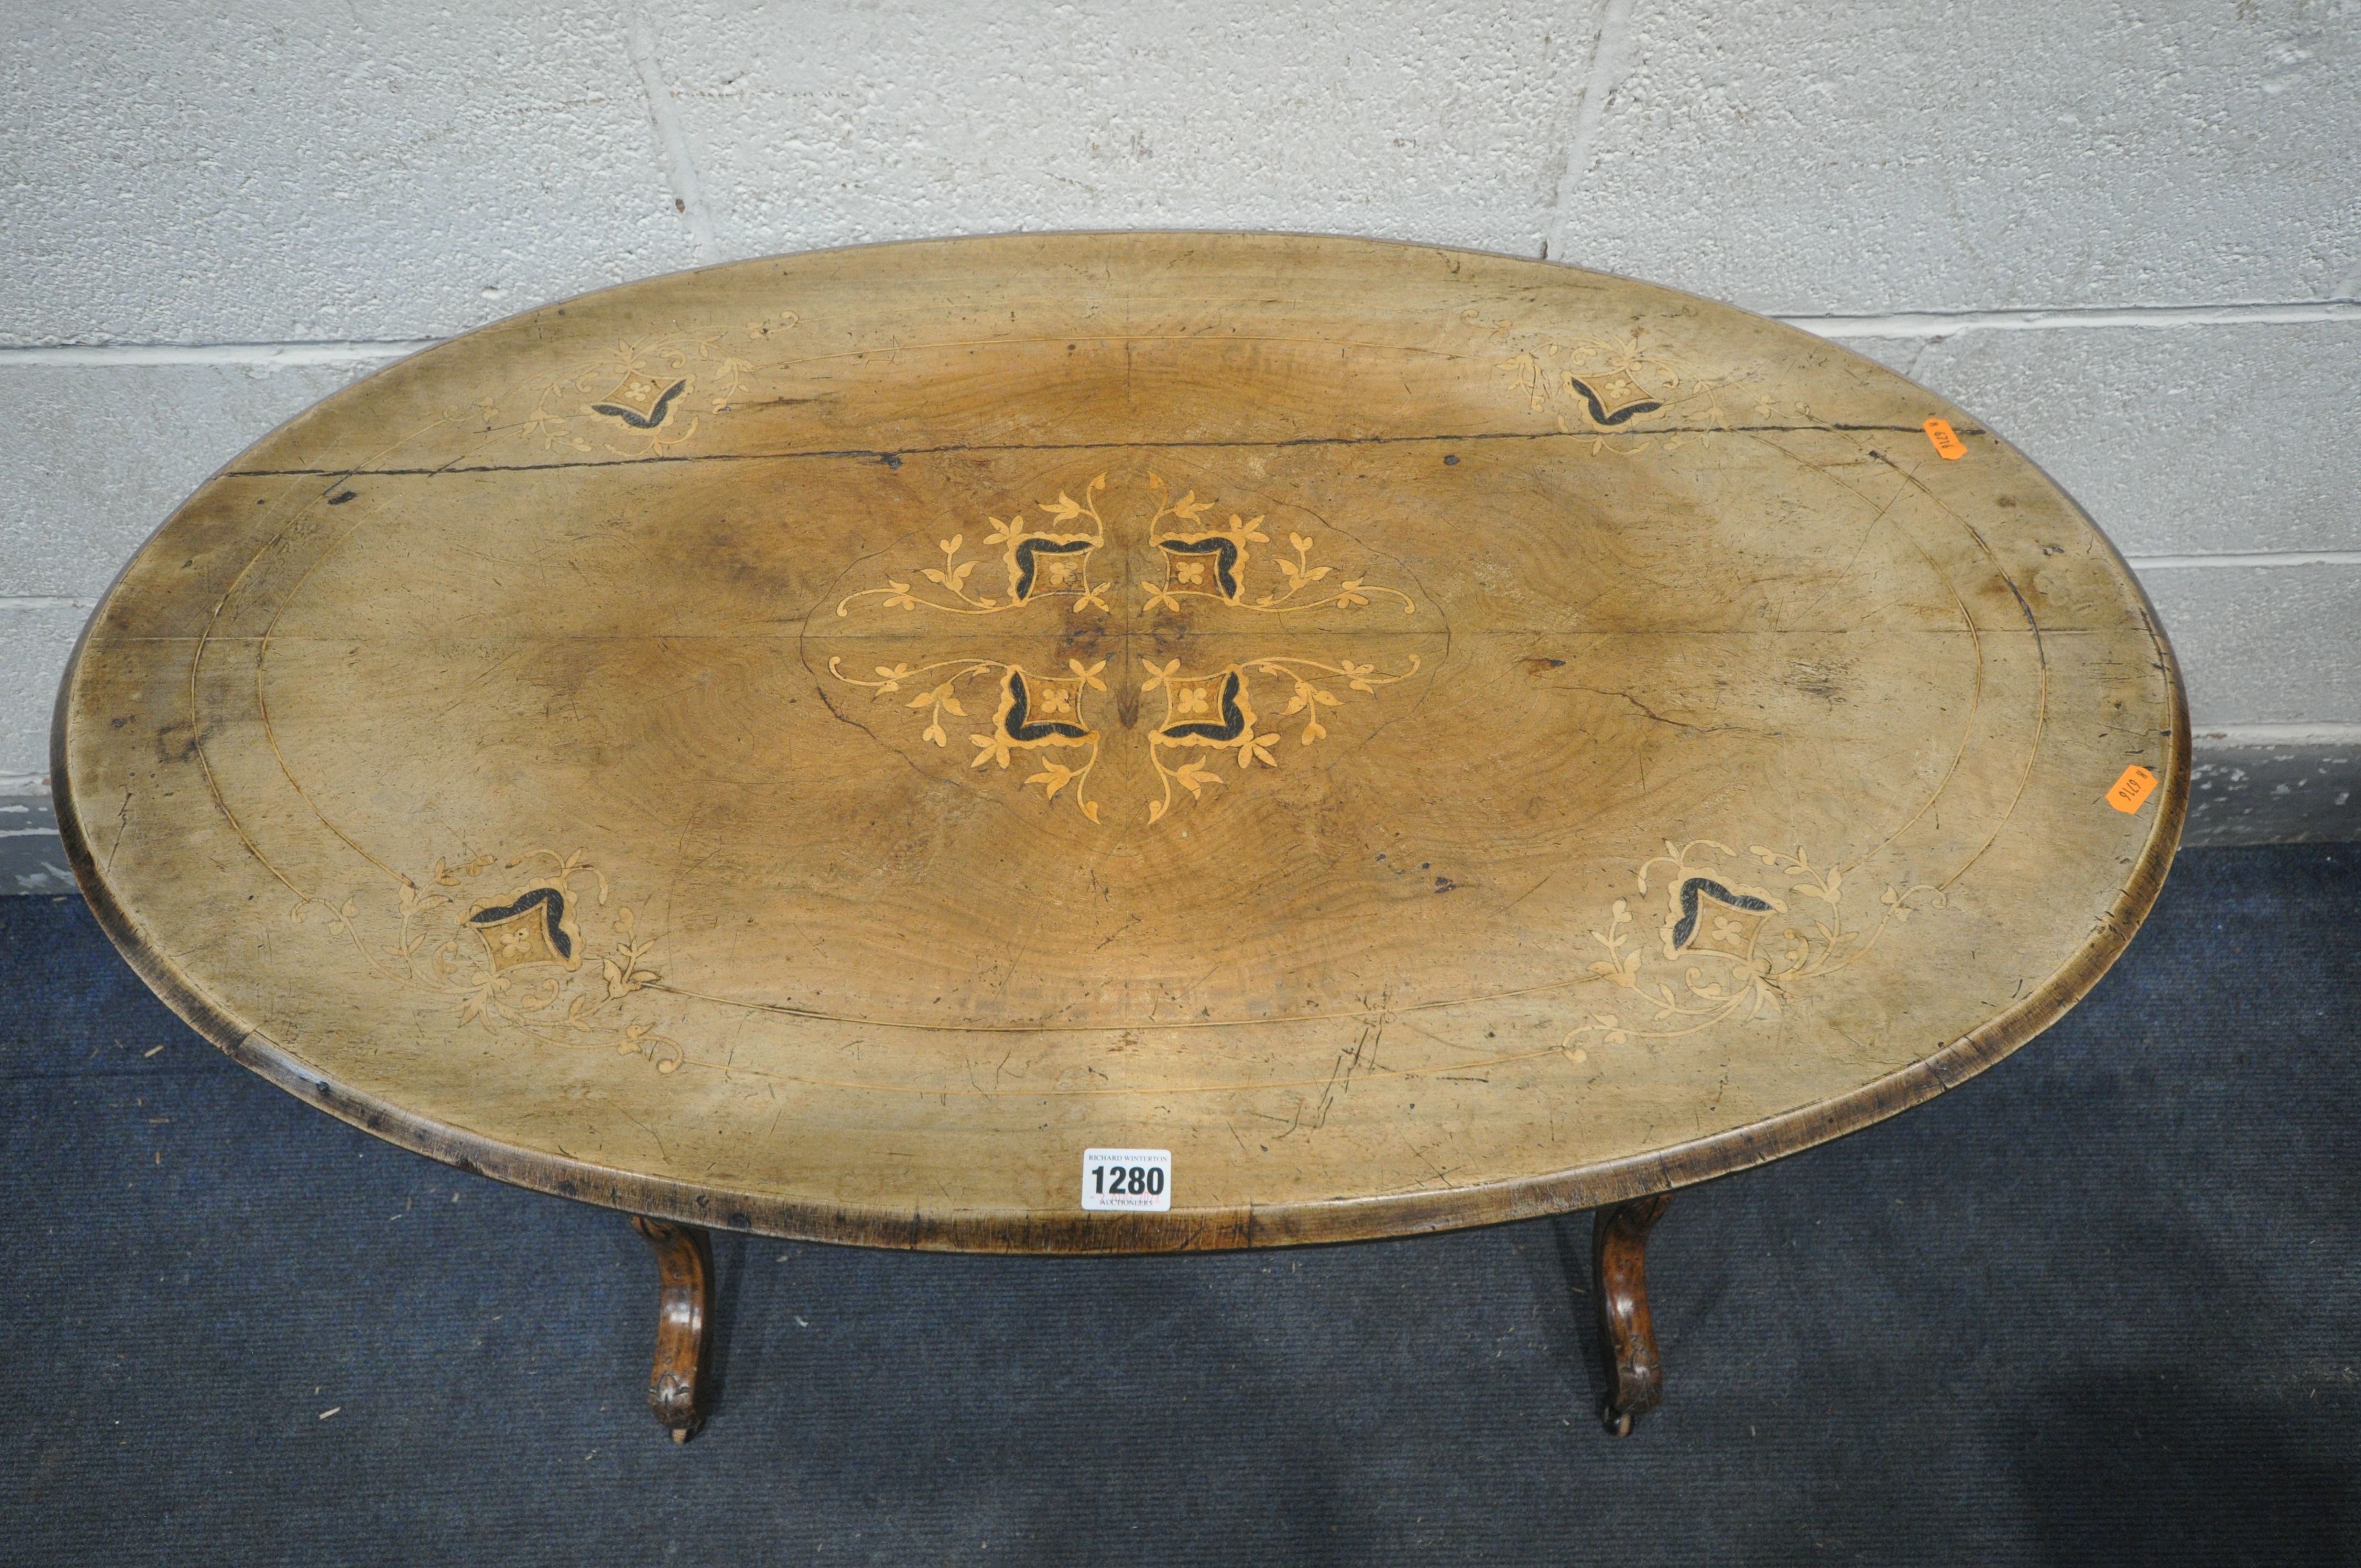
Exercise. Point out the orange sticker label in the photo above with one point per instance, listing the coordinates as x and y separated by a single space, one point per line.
2131 790
1946 440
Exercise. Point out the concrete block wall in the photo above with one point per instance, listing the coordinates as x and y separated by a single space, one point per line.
2127 234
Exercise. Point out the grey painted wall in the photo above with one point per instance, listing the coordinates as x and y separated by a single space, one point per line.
2127 235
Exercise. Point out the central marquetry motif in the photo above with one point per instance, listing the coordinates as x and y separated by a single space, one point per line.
1238 711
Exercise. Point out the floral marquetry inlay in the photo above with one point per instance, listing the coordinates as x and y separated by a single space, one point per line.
511 962
1727 949
1270 697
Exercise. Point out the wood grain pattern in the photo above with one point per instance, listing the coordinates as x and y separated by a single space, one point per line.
812 745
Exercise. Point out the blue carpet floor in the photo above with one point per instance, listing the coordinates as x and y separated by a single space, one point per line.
2101 1305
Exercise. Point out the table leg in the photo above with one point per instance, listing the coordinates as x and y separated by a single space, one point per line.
1619 1272
685 1281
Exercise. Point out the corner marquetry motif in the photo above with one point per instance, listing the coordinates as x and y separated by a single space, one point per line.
646 398
1721 949
1041 562
512 961
1214 714
1205 560
1628 394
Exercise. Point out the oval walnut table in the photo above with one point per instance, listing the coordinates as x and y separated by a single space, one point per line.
833 745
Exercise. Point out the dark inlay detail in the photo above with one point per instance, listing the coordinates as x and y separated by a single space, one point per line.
1224 552
1026 549
1233 724
1018 727
1598 410
1711 889
653 417
549 901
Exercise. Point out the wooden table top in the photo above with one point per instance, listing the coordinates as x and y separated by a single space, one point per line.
1425 738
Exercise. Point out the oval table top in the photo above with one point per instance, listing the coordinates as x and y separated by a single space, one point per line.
817 744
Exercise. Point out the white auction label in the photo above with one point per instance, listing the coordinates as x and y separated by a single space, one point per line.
1127 1179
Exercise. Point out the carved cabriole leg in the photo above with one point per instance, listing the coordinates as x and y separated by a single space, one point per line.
1619 1272
685 1276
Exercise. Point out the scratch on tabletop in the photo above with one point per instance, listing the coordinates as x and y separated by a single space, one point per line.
122 823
